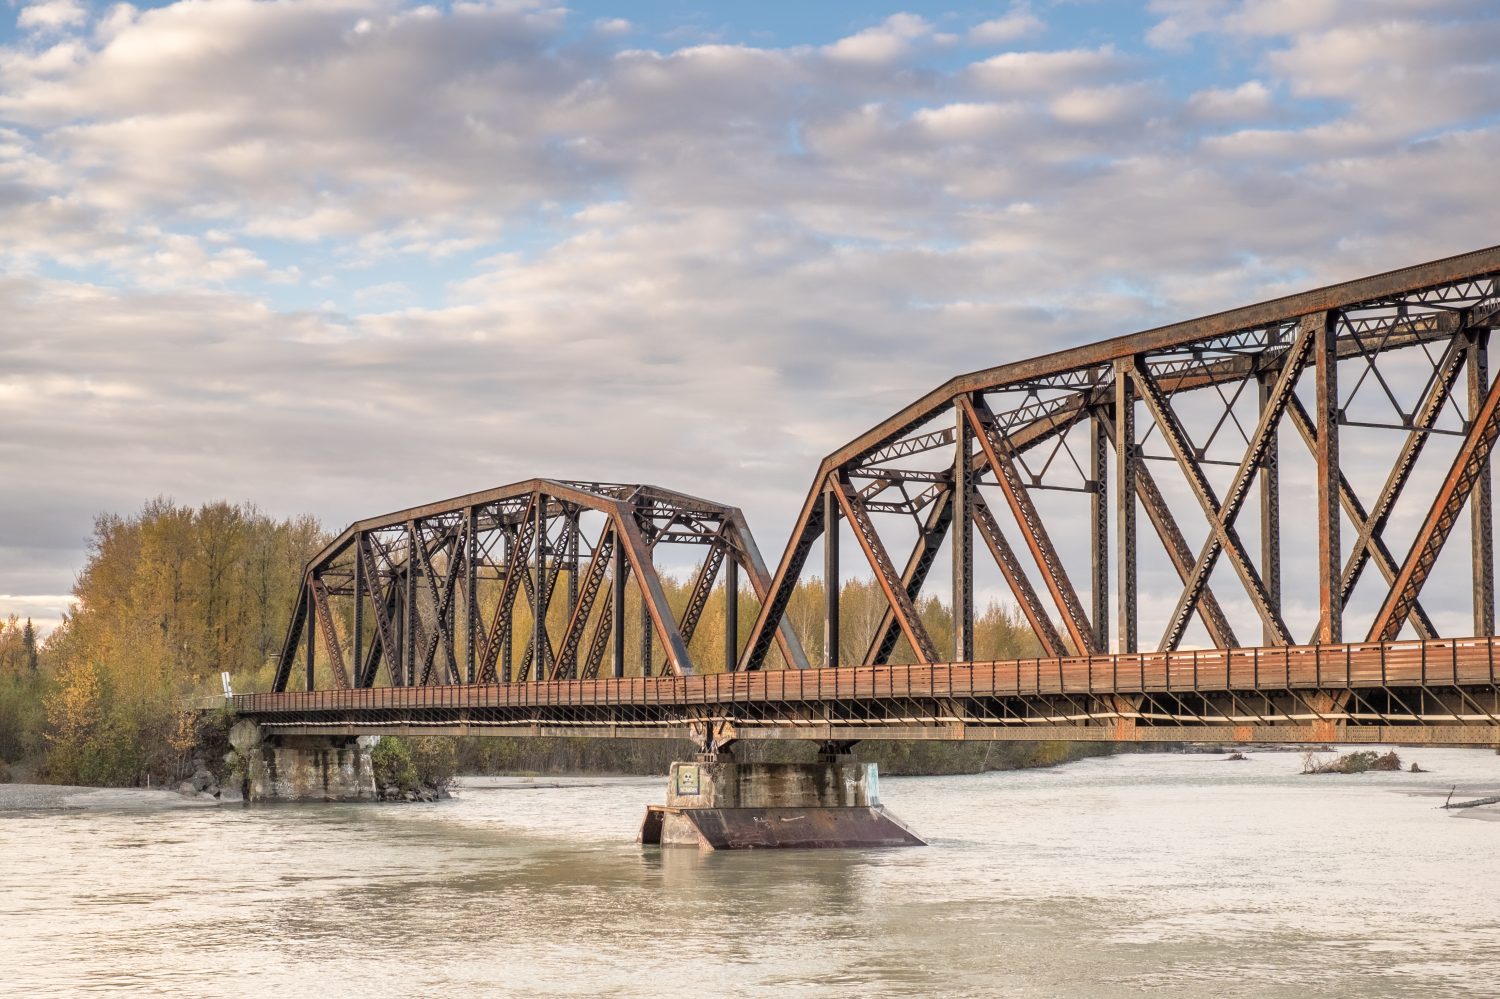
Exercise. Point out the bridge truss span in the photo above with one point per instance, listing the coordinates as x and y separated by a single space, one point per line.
1282 483
525 583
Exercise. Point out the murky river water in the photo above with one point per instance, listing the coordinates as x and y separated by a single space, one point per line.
1162 875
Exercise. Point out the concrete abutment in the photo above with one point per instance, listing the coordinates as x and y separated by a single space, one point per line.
303 767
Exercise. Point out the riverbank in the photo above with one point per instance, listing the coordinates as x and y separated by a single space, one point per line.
72 797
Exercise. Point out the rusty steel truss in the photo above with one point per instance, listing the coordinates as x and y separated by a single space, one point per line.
1365 410
527 582
1399 358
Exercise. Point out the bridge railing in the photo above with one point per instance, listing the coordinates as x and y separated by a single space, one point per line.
1439 662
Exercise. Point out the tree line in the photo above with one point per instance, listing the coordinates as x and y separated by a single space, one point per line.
167 599
172 595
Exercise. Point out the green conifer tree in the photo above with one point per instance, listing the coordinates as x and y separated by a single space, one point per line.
28 647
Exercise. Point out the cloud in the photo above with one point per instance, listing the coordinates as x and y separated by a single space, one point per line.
1044 71
347 257
51 15
1093 106
1012 27
1249 100
882 44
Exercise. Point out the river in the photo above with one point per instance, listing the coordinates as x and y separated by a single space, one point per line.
1168 875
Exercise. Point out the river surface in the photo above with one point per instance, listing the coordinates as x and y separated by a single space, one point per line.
1167 875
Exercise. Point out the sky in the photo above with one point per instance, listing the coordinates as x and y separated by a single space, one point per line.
348 256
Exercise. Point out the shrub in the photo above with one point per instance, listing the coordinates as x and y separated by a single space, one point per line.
1357 762
391 760
435 762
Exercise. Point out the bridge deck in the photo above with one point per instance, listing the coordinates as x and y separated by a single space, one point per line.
1420 691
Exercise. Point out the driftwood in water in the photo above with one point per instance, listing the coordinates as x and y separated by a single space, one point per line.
1450 803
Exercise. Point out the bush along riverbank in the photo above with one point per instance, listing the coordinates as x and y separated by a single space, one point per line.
413 769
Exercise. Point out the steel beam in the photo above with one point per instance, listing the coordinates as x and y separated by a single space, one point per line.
1098 531
885 573
963 539
1465 470
330 634
1127 468
566 666
1374 547
929 542
357 652
783 635
311 637
1323 327
731 614
773 604
635 548
1270 507
1223 537
617 617
409 609
382 599
517 559
540 593
471 591
1481 513
702 588
1016 578
1159 515
831 575
1029 520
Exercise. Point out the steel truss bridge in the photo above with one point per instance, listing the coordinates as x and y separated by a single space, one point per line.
1159 458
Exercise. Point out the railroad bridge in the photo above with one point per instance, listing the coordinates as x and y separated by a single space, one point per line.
1221 529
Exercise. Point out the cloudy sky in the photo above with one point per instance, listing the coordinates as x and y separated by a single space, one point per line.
340 257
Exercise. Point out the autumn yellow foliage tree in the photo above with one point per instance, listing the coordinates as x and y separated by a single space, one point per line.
168 599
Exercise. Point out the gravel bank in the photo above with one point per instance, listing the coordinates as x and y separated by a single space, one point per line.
52 797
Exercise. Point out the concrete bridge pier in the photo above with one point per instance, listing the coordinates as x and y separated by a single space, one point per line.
717 803
303 767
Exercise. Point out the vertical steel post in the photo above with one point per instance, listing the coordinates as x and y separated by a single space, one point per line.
471 592
963 539
312 632
409 636
394 657
1270 512
830 574
1330 570
731 613
1125 458
359 609
539 608
1099 524
1481 515
647 652
507 662
572 563
617 614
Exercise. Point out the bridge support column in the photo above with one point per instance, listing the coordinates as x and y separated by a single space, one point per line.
715 803
303 767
